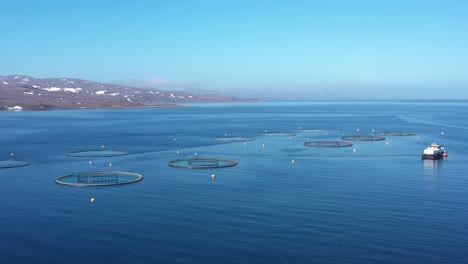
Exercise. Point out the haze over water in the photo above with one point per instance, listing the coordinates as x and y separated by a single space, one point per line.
380 204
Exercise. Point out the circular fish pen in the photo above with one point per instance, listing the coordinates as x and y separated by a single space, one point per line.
394 133
363 138
312 130
327 144
202 163
232 139
96 153
277 134
98 178
5 164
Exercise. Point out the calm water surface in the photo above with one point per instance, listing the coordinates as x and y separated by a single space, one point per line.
380 204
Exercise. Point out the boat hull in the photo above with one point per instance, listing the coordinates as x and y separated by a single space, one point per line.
431 156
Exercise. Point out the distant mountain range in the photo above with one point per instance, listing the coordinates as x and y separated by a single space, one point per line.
69 93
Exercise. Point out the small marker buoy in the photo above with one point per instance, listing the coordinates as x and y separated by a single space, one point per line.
354 150
225 135
12 154
213 176
290 138
299 128
293 161
102 146
442 133
177 152
90 162
110 164
92 199
175 139
195 153
357 129
263 145
387 142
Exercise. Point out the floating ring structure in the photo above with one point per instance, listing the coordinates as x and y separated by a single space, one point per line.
98 178
363 138
394 133
96 153
202 163
5 164
327 144
313 130
233 139
277 134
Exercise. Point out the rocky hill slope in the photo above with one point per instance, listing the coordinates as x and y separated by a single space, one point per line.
68 93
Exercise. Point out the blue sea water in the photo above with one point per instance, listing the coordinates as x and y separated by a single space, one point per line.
379 204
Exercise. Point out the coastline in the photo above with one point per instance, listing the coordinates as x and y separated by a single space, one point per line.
96 108
185 105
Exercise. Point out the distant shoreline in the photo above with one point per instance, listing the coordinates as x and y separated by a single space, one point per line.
123 107
97 108
268 102
22 92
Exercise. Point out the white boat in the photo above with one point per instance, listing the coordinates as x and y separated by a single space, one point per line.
434 151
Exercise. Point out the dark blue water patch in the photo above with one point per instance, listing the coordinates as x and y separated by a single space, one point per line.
380 204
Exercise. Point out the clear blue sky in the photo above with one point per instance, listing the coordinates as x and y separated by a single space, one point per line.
408 47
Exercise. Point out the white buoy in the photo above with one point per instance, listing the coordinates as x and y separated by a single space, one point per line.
293 161
387 142
213 176
12 154
177 152
357 129
245 144
263 145
225 135
92 199
175 139
354 150
102 146
90 162
442 133
195 153
110 164
299 128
